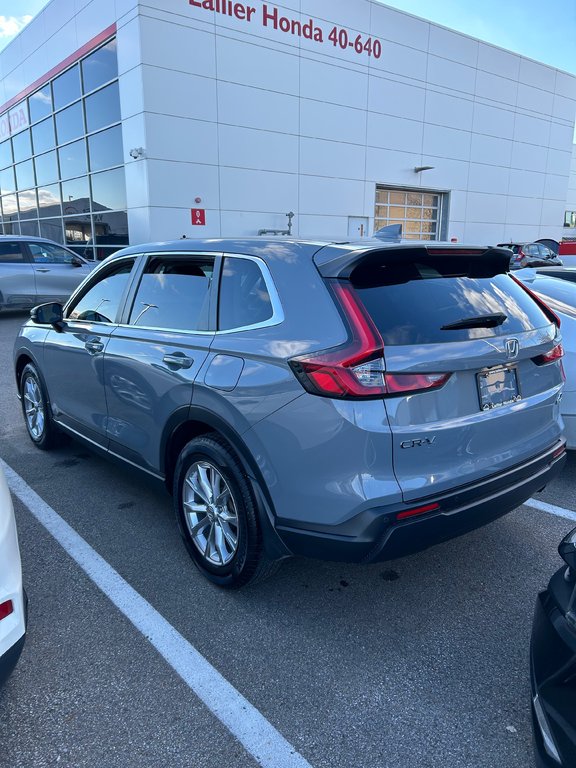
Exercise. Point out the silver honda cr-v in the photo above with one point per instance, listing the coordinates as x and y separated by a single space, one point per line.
353 402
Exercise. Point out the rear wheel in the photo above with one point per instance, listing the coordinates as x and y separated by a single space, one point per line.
217 515
36 409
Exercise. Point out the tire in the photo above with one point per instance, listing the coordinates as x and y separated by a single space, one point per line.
223 539
36 410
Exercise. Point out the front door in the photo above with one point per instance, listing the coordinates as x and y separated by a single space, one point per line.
74 357
55 273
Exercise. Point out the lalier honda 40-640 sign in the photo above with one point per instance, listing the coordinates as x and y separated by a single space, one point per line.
271 17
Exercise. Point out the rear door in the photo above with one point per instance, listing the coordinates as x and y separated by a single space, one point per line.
498 407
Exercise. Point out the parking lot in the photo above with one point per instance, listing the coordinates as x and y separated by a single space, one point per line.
420 661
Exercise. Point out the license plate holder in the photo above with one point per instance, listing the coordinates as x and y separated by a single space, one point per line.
498 387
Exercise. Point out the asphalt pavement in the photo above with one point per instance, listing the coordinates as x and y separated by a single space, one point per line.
420 661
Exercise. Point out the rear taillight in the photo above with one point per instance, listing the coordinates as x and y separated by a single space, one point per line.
6 609
550 314
556 353
355 370
414 382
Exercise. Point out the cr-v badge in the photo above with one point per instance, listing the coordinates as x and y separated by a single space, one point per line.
419 443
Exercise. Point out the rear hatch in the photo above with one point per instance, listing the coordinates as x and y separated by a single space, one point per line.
472 370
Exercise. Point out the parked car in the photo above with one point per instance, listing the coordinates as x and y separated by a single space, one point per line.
560 296
553 665
12 596
553 245
531 255
563 273
353 402
33 271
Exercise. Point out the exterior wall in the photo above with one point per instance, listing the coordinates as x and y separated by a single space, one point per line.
571 199
256 122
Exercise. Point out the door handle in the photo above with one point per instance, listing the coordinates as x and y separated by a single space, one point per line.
94 346
178 360
43 270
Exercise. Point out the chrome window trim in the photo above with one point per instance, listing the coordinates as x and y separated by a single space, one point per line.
103 265
277 311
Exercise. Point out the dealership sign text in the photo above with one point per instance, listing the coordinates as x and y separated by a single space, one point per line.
272 18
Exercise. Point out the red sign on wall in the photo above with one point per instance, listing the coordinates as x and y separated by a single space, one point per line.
198 216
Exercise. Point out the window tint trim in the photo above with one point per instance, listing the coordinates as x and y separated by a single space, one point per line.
95 277
137 278
277 311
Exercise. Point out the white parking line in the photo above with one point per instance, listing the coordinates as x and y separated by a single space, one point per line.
259 737
552 509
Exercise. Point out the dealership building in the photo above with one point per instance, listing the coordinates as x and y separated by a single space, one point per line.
123 121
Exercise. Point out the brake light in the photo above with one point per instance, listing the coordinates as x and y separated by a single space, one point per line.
356 370
556 353
550 314
6 609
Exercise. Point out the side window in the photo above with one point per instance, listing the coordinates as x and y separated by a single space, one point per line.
11 253
45 253
244 298
101 301
174 293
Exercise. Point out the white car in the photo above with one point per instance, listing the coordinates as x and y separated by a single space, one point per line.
560 295
12 597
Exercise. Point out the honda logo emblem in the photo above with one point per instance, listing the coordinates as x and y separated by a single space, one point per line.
512 348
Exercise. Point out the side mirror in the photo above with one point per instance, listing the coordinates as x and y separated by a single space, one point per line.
76 261
567 550
48 314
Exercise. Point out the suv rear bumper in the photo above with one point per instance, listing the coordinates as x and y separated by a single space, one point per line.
375 534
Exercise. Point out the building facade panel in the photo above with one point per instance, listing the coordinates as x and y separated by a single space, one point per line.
253 110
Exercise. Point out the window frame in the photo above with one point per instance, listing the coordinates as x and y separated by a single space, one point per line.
277 316
99 274
124 316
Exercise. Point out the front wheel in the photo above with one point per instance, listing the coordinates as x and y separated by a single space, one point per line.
217 515
36 409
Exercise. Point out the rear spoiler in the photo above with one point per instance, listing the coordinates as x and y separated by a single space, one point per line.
340 260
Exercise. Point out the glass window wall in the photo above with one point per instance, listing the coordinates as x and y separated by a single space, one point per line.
63 178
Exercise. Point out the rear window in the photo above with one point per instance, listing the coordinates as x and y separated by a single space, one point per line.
412 303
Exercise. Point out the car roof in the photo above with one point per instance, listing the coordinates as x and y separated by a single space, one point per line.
32 239
282 247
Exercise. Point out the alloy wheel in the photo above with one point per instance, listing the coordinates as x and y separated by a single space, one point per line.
33 408
210 513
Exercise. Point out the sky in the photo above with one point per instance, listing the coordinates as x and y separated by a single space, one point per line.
545 31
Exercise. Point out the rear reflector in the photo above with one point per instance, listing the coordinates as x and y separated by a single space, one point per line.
559 451
417 511
6 609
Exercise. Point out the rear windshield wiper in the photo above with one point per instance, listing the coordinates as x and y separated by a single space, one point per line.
480 321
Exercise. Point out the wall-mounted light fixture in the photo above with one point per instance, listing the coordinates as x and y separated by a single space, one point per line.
420 168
